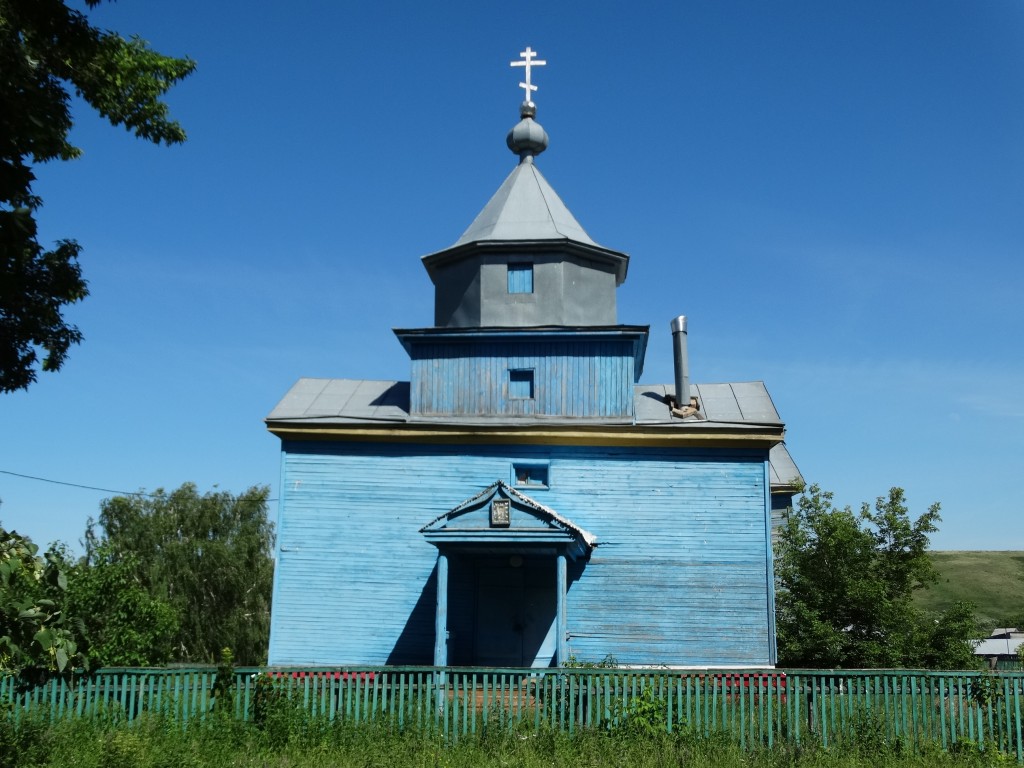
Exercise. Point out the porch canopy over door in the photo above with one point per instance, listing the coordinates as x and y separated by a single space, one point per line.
501 522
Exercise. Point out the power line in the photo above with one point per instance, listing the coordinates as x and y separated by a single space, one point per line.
75 485
86 487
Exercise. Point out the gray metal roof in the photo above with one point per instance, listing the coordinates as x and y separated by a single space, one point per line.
1010 632
359 401
997 647
354 400
784 472
525 207
344 401
741 402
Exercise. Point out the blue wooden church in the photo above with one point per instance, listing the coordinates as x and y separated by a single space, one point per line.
523 499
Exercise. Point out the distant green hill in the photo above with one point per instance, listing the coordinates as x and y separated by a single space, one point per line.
993 581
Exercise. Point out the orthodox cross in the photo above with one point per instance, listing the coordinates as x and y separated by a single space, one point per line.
528 62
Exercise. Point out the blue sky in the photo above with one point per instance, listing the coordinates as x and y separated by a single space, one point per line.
833 193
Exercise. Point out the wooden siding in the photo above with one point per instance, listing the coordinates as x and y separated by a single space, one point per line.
680 575
571 378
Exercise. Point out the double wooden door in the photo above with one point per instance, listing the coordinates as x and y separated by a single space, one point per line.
514 610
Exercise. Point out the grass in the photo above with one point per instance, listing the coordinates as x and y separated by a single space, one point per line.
993 581
156 742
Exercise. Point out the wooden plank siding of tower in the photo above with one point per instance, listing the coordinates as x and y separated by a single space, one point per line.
574 373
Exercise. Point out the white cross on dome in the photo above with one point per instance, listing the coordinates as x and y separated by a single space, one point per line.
527 63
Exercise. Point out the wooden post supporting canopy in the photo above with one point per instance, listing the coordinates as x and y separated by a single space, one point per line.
562 647
441 617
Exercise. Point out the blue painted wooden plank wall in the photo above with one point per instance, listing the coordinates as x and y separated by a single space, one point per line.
680 576
575 379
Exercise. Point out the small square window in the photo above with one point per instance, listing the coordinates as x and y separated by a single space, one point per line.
520 384
520 278
530 475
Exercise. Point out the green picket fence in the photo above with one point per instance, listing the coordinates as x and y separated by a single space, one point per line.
756 707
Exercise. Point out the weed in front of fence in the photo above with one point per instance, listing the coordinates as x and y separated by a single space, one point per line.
590 717
157 741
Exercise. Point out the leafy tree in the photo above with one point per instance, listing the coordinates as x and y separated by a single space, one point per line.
845 587
125 626
48 50
947 644
208 556
36 637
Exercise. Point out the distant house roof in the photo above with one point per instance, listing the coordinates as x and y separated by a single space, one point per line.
1010 632
329 402
1002 646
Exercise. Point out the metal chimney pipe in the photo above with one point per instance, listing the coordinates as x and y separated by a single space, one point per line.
682 364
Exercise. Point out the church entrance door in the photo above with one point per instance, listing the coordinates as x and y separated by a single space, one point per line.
515 609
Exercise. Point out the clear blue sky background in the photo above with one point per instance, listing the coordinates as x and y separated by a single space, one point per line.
833 192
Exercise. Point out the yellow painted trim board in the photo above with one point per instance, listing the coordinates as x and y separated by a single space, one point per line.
625 436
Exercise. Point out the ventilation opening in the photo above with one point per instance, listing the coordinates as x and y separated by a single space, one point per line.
530 476
520 384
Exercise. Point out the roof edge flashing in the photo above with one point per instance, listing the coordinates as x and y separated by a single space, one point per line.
618 260
639 334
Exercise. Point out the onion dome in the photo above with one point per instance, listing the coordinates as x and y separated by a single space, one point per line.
527 139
